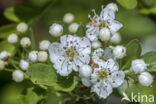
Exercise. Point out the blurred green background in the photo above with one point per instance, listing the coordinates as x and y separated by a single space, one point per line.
138 19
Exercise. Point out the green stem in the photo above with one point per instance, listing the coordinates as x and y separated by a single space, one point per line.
33 39
9 70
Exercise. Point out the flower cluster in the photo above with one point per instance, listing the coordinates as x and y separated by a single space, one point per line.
98 67
95 57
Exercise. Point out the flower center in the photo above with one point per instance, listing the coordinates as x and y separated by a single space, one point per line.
70 53
101 25
103 74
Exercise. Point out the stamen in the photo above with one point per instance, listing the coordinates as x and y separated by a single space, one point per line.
93 10
89 16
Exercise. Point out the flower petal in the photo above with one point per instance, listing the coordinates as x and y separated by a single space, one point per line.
103 89
107 14
63 67
92 33
117 78
114 26
56 50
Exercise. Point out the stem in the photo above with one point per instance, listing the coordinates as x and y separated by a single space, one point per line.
9 70
33 39
32 22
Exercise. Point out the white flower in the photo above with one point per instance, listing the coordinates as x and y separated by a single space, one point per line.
33 56
56 29
104 34
86 82
12 38
119 51
68 18
113 7
4 55
105 77
145 79
105 20
138 66
24 64
96 44
22 27
18 76
42 56
85 70
73 27
99 55
2 65
116 38
70 54
44 44
25 42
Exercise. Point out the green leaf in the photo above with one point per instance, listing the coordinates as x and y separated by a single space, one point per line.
5 46
42 74
81 30
30 98
65 84
150 59
21 12
137 89
9 13
148 11
129 4
53 98
7 30
133 50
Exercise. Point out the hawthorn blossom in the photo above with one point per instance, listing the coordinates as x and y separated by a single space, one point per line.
70 54
105 77
104 20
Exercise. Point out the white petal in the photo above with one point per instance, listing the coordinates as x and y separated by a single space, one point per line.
85 46
55 50
103 89
117 78
111 65
80 60
114 26
92 33
107 14
86 82
97 54
64 67
108 53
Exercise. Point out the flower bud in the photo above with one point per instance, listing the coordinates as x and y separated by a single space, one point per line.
44 44
42 56
25 42
18 76
85 70
96 44
113 7
4 55
56 30
2 65
86 82
104 34
116 38
24 64
22 27
12 38
33 56
138 66
145 79
68 18
73 27
119 52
